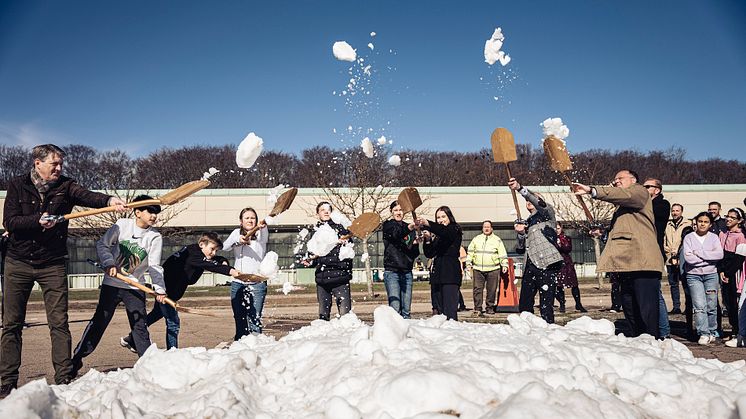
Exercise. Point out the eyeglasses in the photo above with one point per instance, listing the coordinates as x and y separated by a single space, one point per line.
730 217
649 186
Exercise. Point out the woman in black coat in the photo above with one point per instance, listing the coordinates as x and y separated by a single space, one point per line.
445 277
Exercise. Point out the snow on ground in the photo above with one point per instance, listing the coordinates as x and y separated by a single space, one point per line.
398 368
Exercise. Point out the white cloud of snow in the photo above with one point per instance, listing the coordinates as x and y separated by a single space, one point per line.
343 51
249 150
367 147
492 49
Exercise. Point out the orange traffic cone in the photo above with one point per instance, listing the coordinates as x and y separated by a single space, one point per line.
507 297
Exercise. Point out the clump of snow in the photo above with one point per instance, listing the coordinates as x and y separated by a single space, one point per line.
395 160
492 49
364 257
343 51
367 147
341 219
275 193
394 369
381 140
303 233
347 251
322 242
555 127
270 220
287 287
249 150
208 174
268 267
372 34
371 46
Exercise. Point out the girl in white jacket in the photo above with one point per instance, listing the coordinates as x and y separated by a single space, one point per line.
247 298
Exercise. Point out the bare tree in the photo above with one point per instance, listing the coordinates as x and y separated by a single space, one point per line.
14 161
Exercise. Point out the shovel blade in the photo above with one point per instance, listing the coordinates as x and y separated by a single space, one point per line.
252 277
409 200
556 151
503 146
183 191
365 224
283 202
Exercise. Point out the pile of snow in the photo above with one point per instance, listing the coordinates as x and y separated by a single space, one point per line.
343 51
492 49
367 147
268 267
555 127
395 160
407 368
322 242
249 150
208 174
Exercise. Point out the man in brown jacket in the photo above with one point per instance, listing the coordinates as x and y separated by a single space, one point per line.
632 249
37 251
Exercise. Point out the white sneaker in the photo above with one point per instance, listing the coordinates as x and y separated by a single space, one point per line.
732 343
706 339
125 344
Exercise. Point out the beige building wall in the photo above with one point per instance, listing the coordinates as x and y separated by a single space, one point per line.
220 207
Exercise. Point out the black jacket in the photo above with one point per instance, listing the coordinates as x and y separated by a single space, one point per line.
661 213
399 251
331 271
445 249
23 208
184 268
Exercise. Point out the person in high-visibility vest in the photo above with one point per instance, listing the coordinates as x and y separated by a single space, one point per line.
487 257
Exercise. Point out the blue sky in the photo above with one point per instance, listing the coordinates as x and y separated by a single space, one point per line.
141 75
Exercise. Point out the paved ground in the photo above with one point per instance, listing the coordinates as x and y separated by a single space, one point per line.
282 314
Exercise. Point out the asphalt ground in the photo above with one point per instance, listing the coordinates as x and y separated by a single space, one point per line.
283 314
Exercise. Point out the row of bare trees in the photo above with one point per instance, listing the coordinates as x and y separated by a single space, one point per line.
326 167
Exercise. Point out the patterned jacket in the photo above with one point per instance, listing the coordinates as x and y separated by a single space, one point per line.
539 249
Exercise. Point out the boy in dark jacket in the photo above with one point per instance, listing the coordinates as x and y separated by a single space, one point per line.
400 249
180 270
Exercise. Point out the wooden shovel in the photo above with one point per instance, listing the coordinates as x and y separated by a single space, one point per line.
283 203
251 278
363 226
147 290
503 151
559 160
169 198
409 200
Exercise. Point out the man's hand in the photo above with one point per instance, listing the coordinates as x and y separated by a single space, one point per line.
234 272
513 184
161 298
580 189
422 222
723 278
47 223
118 203
520 228
504 269
111 271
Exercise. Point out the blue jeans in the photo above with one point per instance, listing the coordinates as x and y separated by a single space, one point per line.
674 277
663 325
704 292
247 301
399 290
173 323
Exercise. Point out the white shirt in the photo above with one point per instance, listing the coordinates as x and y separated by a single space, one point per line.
248 256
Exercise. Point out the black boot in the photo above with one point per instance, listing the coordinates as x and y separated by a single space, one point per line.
560 296
5 389
576 295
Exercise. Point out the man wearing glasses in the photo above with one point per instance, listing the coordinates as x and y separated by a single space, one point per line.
631 250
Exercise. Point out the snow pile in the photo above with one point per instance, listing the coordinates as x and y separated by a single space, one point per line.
208 174
395 160
343 51
323 241
340 219
367 147
249 150
347 251
404 368
268 267
492 49
555 127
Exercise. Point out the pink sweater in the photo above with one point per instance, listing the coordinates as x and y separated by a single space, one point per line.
701 258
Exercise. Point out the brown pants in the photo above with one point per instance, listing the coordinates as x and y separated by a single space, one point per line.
18 282
490 280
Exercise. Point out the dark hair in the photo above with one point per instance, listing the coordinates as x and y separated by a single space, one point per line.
323 203
717 203
153 208
678 205
704 214
240 217
738 211
487 221
448 212
656 182
41 152
210 236
393 204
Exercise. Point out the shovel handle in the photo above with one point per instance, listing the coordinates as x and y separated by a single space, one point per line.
587 212
130 205
249 234
145 289
515 197
418 230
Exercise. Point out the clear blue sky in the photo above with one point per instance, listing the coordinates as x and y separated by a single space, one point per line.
141 75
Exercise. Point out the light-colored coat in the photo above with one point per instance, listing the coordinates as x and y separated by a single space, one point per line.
632 244
672 239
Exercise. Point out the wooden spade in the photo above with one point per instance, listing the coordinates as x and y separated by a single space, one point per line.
362 226
283 203
503 151
559 160
147 290
252 278
409 200
169 198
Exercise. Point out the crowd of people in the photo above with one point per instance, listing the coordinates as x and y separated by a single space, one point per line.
705 255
